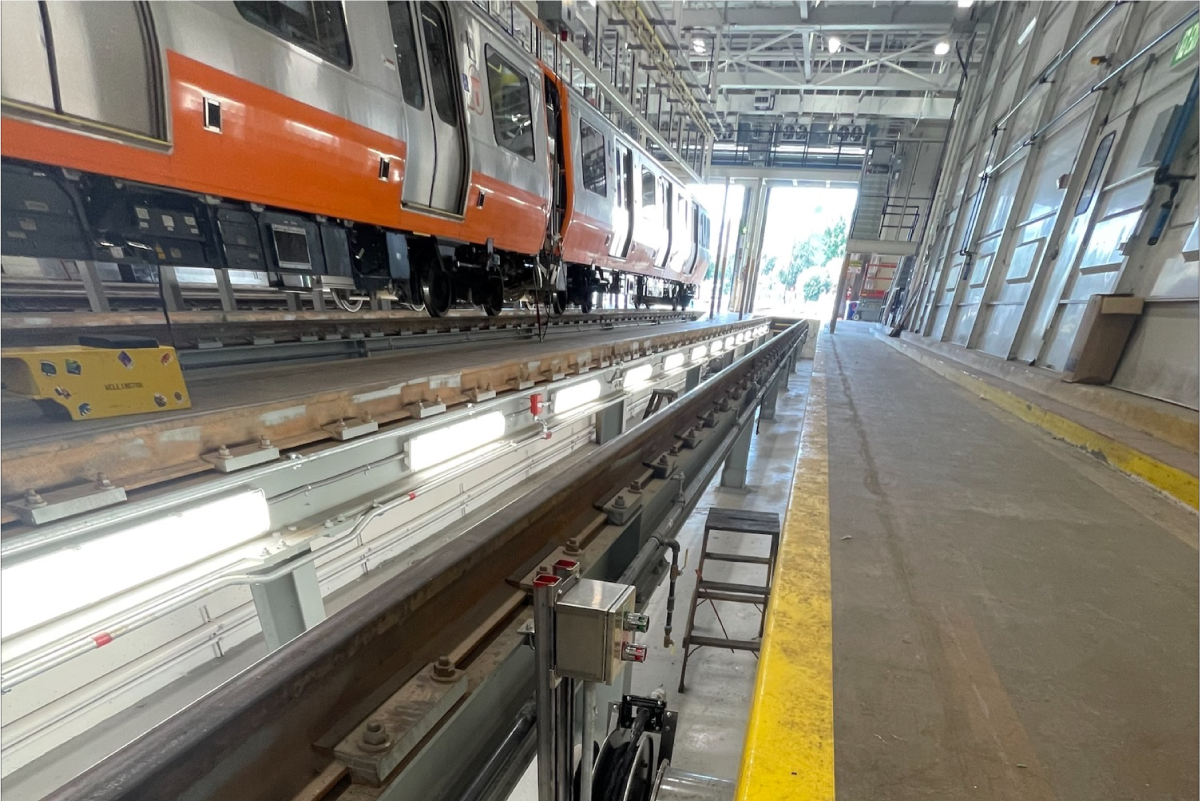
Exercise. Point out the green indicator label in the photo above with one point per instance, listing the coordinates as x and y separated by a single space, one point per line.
1188 43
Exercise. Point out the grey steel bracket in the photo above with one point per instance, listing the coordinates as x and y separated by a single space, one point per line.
38 508
229 460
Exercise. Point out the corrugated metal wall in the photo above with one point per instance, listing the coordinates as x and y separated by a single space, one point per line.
1050 192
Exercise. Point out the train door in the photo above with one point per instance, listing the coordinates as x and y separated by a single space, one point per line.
665 208
447 111
419 123
694 220
425 61
555 147
623 220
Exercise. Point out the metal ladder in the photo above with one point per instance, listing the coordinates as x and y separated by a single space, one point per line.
732 521
658 397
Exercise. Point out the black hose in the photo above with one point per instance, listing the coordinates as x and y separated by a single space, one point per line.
674 545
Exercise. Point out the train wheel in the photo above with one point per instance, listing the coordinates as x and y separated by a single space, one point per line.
586 303
436 291
494 299
558 303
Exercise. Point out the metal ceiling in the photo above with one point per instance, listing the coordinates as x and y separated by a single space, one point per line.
683 75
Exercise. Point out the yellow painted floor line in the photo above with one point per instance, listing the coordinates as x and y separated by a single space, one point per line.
1164 477
789 752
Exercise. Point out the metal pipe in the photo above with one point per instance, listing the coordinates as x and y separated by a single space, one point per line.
503 755
1100 85
589 702
913 298
1059 60
564 738
545 689
721 238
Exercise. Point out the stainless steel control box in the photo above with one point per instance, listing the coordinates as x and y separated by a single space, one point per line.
590 630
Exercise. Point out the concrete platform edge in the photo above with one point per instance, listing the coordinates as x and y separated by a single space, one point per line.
789 750
1167 422
1165 478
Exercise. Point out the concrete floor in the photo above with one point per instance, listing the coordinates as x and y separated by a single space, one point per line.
1012 619
713 711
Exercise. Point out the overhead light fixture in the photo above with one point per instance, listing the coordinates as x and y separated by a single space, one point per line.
965 3
639 375
698 45
698 353
942 48
43 588
575 396
834 44
673 361
456 439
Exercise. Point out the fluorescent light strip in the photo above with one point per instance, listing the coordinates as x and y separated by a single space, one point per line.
46 587
575 396
639 375
456 439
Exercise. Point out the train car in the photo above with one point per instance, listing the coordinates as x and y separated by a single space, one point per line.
626 216
400 149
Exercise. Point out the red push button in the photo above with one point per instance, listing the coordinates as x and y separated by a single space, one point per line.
632 652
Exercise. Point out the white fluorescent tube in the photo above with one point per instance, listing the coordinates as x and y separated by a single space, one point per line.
456 439
575 396
638 376
46 587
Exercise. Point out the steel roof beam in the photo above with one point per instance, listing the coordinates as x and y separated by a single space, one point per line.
830 17
923 108
859 81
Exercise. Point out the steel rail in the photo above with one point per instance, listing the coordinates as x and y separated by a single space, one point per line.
202 329
253 736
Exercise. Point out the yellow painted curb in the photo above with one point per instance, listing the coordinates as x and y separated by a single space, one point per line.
789 751
1167 479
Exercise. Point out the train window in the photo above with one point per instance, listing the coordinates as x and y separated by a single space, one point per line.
512 117
319 27
443 85
648 188
621 169
592 159
405 42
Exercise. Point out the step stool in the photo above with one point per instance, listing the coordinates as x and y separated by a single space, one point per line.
658 397
732 521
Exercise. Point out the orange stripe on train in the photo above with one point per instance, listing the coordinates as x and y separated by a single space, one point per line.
279 152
